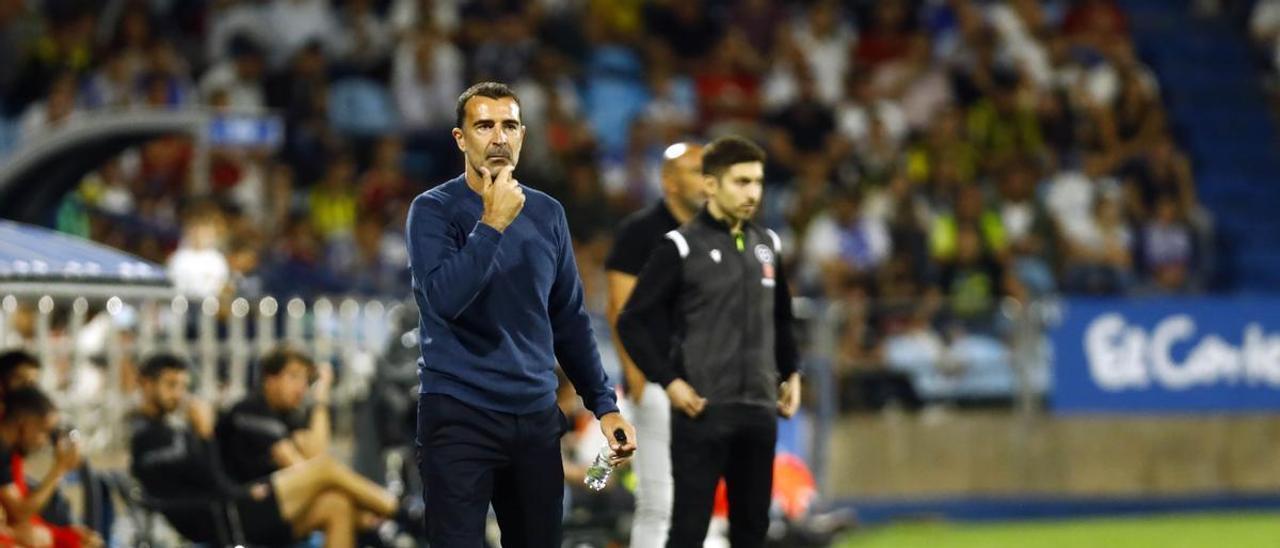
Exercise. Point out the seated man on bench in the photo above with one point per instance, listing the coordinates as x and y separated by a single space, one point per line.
273 427
29 424
175 457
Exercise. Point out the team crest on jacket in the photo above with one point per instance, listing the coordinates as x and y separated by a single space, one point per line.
764 254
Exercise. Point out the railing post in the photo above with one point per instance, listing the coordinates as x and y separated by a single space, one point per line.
68 347
208 337
321 326
178 326
8 307
115 374
238 348
294 330
48 373
267 309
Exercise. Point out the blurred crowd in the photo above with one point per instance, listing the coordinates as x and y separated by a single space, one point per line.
928 158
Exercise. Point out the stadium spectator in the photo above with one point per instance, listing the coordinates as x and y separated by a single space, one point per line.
230 19
886 37
240 76
826 41
1028 228
372 262
684 27
1001 125
166 77
728 86
968 211
111 85
972 281
29 424
332 202
918 87
274 428
58 108
1099 249
845 246
1167 247
198 268
18 369
1160 172
294 25
65 47
426 78
300 93
244 260
364 38
20 27
802 127
132 37
506 54
384 185
179 467
1095 22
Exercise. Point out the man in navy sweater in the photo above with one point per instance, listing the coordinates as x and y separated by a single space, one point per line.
501 303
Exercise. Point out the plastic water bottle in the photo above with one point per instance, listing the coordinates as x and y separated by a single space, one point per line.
602 468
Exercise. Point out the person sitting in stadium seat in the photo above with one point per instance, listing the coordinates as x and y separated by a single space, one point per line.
272 428
29 424
21 369
18 369
181 464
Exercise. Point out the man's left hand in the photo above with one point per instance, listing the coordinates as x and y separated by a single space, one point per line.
622 451
789 396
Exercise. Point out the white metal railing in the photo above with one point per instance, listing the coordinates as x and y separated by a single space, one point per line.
90 346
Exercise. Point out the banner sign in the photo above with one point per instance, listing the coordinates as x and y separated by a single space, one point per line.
1175 355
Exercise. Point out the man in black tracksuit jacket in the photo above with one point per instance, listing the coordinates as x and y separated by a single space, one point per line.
710 321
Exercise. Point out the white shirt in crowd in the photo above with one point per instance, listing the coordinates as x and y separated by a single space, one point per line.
1018 218
853 120
242 95
427 100
294 23
1070 198
35 121
828 57
826 240
198 272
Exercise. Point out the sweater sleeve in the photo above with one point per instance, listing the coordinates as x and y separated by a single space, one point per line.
645 325
575 343
450 274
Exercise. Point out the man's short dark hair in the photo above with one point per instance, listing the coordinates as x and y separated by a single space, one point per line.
156 365
27 402
727 151
11 360
274 362
492 90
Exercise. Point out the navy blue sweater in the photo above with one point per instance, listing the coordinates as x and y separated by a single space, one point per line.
499 308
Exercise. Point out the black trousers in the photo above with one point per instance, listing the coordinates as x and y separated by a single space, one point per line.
470 457
731 441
